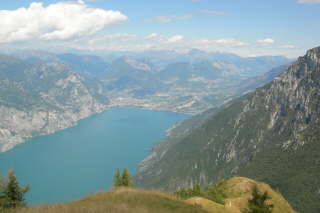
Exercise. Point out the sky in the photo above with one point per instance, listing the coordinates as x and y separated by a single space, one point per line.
243 27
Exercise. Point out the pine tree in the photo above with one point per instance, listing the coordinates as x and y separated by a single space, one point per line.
126 178
123 179
117 179
258 202
13 193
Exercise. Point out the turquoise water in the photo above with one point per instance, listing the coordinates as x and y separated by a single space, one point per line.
81 160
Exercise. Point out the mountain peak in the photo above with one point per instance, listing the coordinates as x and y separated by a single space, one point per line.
314 54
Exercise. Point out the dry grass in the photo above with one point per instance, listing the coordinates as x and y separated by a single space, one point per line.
240 190
208 205
127 200
121 201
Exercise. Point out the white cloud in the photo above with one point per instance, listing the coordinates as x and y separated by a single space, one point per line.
265 41
308 1
121 36
103 42
62 20
155 41
152 36
286 47
166 19
176 38
234 42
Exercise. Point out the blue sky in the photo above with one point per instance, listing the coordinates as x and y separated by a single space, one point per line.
244 27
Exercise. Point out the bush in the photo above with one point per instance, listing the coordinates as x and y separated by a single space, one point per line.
195 191
258 203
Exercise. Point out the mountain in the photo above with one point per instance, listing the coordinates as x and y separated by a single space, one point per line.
235 193
271 134
188 83
41 98
256 65
89 65
86 65
259 81
44 88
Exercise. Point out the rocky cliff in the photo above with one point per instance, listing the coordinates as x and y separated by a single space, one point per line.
39 99
271 134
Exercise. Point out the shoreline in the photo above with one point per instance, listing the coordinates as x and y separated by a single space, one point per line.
12 146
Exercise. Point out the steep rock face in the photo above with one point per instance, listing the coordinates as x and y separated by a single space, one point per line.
41 99
271 134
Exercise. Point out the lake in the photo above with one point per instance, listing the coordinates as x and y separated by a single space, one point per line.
80 160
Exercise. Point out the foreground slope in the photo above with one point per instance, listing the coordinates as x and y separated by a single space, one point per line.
122 201
271 135
236 192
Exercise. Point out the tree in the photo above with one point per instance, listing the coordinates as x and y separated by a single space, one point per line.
196 190
13 194
117 179
123 179
258 202
126 178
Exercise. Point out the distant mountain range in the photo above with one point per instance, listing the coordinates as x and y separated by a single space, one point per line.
271 134
43 92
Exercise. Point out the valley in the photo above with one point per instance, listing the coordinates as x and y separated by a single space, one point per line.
44 92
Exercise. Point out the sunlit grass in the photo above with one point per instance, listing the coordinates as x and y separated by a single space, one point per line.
120 201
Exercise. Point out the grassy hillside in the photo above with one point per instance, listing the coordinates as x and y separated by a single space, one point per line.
122 200
236 192
233 194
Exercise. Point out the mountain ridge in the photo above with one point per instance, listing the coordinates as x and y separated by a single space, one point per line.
259 135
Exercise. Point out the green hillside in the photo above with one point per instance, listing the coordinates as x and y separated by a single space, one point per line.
271 135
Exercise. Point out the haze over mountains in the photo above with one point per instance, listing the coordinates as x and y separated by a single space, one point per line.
270 134
189 83
44 92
